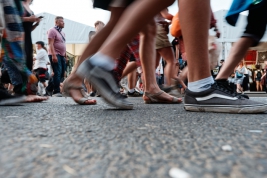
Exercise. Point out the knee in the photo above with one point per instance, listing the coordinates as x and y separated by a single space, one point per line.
149 30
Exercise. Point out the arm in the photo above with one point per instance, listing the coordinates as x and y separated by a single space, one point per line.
52 48
166 14
32 18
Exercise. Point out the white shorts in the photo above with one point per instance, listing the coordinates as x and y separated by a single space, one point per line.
118 3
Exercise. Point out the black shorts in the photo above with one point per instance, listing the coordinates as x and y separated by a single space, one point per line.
104 4
257 22
40 73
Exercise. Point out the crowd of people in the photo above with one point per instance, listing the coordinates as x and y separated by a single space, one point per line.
122 49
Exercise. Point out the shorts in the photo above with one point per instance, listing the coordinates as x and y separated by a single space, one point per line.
162 40
257 22
40 73
105 4
258 79
119 3
239 81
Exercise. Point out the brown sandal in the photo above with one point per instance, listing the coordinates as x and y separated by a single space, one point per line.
155 99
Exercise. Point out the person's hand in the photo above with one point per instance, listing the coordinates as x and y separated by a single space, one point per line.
52 74
54 59
33 18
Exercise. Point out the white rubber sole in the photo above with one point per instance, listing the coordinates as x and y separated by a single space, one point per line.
227 109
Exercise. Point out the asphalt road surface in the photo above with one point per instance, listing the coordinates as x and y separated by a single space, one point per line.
58 138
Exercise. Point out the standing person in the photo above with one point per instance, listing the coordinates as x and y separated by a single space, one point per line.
240 75
30 22
258 76
57 53
40 66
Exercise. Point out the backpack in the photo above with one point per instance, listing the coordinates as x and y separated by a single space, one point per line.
259 75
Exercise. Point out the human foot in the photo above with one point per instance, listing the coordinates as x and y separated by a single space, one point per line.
76 92
35 98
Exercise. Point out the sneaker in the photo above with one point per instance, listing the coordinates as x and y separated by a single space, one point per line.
48 93
134 94
175 93
105 84
7 99
57 95
221 99
92 94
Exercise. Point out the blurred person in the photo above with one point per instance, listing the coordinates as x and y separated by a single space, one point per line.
40 66
164 48
30 22
13 55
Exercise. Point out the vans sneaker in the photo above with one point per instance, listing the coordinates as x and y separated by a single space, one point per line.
221 99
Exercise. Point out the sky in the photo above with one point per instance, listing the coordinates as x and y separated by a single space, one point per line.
82 11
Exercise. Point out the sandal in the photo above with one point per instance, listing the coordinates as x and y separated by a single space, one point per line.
155 99
82 101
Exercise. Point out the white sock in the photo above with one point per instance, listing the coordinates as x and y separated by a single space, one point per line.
103 61
201 85
131 90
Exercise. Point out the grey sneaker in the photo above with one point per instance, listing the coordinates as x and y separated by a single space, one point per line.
220 99
105 84
57 95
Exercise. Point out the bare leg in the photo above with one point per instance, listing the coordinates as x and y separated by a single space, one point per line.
131 66
147 56
137 13
168 55
132 80
237 53
93 47
196 28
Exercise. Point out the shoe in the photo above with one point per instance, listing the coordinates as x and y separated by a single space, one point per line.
166 89
221 99
7 99
48 93
155 99
175 93
105 84
57 95
92 94
134 94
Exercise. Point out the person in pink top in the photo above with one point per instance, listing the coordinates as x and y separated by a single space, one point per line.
57 53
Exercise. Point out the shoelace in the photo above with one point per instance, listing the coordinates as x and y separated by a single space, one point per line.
223 86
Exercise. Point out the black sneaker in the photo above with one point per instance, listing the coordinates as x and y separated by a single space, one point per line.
7 99
92 94
105 84
220 99
134 94
48 93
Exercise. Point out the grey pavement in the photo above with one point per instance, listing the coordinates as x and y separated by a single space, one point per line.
58 138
